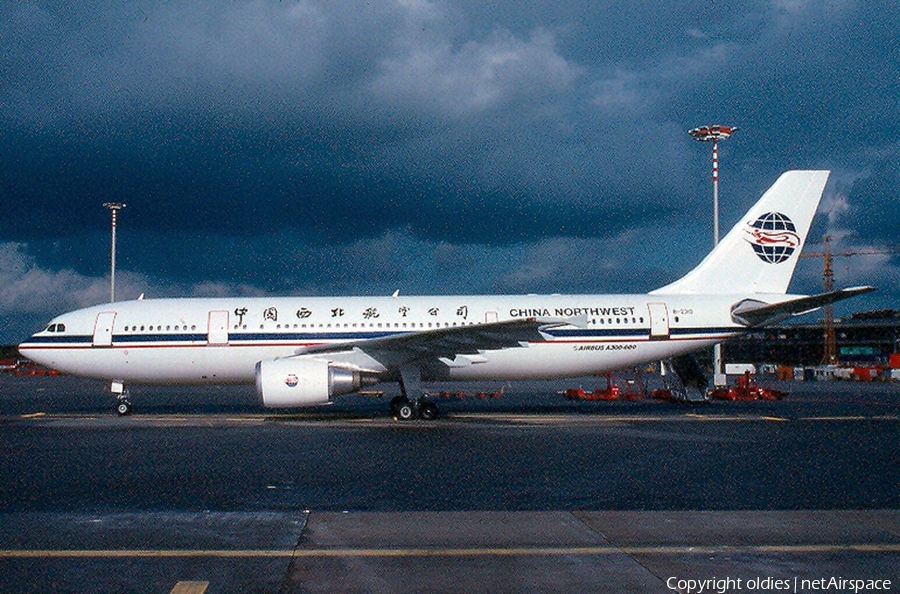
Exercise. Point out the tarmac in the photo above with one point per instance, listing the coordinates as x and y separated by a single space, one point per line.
200 491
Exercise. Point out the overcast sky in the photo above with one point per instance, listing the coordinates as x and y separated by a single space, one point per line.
432 147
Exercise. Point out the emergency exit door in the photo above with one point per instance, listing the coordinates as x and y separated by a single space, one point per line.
659 321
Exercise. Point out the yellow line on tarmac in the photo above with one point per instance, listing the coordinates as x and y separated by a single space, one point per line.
190 588
449 552
719 418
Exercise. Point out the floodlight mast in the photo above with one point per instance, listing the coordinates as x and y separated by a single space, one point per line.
114 208
714 134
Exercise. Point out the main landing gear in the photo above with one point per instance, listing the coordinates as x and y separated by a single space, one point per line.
405 409
414 403
123 401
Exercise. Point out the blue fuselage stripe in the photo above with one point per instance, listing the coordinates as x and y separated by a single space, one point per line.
250 338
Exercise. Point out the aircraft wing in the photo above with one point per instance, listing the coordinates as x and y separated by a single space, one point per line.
457 346
753 313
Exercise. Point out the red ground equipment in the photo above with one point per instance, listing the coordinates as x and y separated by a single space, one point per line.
610 392
745 389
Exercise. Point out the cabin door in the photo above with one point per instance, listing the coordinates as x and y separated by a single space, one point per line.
659 321
103 329
218 329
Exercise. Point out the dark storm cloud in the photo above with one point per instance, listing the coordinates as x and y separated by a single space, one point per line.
870 198
215 120
318 146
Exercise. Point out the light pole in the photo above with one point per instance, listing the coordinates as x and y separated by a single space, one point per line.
114 208
714 134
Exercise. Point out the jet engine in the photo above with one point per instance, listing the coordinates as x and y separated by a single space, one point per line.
305 382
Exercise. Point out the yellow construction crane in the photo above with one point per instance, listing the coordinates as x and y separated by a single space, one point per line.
829 356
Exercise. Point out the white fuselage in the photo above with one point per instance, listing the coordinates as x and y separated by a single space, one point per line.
219 341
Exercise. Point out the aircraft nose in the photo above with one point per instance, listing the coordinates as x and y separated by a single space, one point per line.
28 350
23 348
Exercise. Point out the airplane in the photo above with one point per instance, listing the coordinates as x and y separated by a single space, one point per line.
304 351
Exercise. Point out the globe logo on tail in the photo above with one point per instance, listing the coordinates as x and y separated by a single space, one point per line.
773 237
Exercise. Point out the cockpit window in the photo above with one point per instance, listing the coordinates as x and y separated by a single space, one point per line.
56 328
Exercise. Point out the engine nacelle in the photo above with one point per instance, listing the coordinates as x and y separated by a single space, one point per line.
304 382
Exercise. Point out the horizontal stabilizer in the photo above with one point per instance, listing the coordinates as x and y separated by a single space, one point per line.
753 313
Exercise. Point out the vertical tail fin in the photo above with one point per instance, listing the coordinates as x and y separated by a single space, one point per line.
760 253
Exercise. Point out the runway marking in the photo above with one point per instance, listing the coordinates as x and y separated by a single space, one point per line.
448 552
190 588
728 418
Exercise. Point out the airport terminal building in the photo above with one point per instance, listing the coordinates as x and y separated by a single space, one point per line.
868 338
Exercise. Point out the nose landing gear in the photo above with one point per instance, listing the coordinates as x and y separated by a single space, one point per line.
123 401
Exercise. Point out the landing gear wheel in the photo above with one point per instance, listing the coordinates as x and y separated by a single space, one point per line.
123 408
428 411
396 402
406 411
